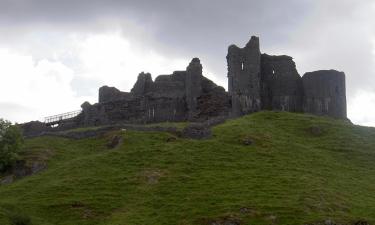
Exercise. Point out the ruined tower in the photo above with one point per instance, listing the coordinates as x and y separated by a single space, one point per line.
244 77
193 86
263 82
325 93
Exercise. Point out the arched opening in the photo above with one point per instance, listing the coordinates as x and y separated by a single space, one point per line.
242 66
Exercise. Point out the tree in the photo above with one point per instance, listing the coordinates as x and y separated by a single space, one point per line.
11 141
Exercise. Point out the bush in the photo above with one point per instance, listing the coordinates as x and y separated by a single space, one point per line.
10 143
19 219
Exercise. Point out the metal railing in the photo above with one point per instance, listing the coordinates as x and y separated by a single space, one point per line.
61 117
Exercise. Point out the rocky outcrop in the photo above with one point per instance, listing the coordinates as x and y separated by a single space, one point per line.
196 131
23 169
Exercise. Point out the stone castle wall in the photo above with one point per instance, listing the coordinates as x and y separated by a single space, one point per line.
279 86
244 77
325 93
282 85
255 82
181 96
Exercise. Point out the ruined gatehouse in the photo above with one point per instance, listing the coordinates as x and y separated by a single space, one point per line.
256 82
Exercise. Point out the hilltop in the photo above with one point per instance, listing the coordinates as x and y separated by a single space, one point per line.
263 168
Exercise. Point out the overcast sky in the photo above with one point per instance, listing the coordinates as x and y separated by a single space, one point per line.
54 55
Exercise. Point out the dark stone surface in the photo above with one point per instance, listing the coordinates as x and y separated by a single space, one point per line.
244 77
193 87
181 96
229 220
143 85
316 130
325 93
282 87
196 131
247 141
7 180
331 222
34 128
276 81
213 102
114 142
361 222
107 94
255 82
22 169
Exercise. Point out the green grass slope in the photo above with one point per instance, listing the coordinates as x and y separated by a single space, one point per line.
288 175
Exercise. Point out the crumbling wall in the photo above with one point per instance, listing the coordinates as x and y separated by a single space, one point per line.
325 93
282 87
143 85
213 102
34 128
193 86
107 94
169 86
255 81
175 97
244 77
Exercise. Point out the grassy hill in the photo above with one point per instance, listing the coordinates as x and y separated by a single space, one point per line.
299 169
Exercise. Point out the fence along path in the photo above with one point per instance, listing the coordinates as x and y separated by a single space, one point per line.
56 119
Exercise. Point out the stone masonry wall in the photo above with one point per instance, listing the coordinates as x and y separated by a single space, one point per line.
176 97
255 82
244 77
282 87
193 86
325 93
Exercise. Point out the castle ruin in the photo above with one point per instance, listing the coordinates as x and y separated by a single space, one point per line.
256 82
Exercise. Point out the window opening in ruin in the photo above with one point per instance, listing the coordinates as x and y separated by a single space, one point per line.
242 66
274 73
337 90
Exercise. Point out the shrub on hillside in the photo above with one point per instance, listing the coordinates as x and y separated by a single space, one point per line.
19 219
10 143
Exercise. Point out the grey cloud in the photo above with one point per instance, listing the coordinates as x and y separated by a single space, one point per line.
13 112
335 33
84 86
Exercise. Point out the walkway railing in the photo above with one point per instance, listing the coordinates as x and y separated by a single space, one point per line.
64 116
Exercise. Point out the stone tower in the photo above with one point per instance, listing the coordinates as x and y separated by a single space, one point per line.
244 77
325 93
193 86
